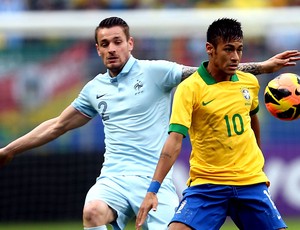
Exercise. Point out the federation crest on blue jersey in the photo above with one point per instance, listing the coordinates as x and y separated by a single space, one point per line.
138 87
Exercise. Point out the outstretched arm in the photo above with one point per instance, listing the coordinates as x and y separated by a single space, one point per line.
169 154
47 131
273 64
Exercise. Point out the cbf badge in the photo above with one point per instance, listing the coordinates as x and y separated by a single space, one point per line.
246 93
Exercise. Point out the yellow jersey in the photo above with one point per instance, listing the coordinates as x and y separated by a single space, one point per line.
216 115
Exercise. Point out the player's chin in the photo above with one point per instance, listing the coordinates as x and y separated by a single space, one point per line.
231 71
113 65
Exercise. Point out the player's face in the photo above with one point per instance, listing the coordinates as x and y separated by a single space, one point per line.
226 56
114 48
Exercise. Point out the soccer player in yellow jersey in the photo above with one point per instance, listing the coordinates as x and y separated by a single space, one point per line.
218 107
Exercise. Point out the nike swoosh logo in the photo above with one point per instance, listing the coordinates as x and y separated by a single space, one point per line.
206 103
99 96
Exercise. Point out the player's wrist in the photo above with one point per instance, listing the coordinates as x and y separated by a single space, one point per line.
154 186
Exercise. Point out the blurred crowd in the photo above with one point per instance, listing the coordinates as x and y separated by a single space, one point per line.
183 50
33 5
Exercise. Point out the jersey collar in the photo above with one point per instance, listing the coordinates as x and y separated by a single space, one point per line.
127 66
207 78
125 69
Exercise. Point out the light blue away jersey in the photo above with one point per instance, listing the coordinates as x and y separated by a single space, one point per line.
135 110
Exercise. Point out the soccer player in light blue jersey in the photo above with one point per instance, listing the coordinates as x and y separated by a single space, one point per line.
133 99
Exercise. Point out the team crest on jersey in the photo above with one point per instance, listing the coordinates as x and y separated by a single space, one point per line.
138 87
246 95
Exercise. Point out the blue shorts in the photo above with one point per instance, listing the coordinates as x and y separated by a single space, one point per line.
125 194
206 207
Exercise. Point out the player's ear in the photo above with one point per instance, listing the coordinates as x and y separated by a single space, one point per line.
130 44
97 48
209 48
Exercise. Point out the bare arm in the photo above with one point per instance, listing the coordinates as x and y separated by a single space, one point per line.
251 67
44 133
188 71
169 154
255 68
273 64
256 128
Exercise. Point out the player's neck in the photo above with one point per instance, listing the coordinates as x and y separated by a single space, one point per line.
218 74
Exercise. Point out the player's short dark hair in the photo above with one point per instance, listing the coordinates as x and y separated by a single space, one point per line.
111 22
226 29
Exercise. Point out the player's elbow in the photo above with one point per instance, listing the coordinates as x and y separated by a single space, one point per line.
56 128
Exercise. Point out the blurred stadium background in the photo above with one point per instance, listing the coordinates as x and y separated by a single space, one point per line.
47 54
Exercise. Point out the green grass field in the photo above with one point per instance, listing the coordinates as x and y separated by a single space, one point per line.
293 224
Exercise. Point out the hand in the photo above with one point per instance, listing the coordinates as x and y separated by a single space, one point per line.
284 59
5 158
150 202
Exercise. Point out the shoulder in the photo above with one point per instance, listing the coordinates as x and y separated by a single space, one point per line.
165 73
99 77
248 77
245 74
162 64
192 83
194 78
95 81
